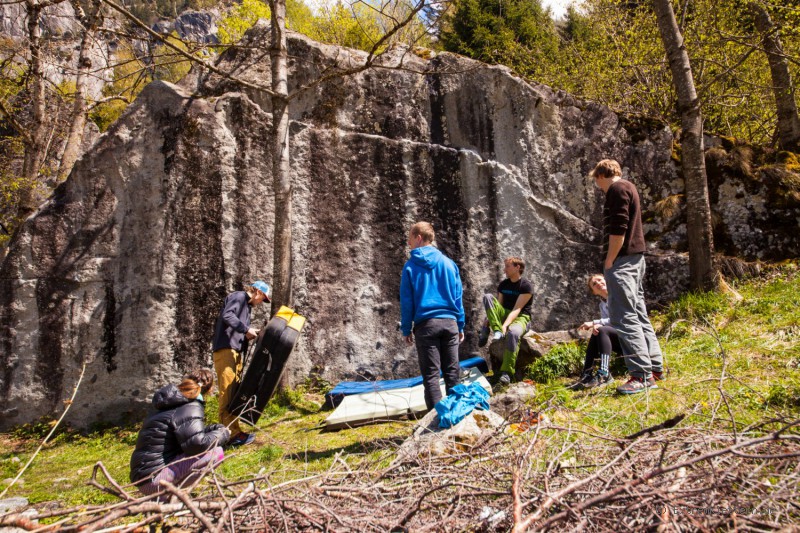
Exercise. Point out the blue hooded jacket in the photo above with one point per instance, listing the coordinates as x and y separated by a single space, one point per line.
430 287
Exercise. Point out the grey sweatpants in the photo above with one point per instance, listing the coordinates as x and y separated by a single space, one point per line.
628 314
437 349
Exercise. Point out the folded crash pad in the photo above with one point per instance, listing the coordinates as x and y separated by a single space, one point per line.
347 388
379 405
274 344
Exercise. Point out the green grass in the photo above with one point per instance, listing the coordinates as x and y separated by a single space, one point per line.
756 341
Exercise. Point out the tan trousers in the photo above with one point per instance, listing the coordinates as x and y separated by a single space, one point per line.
228 365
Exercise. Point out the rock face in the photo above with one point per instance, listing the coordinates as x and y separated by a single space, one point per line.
194 26
125 267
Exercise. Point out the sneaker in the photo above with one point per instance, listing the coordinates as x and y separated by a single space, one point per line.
241 439
578 385
636 385
660 376
505 378
597 380
483 337
497 336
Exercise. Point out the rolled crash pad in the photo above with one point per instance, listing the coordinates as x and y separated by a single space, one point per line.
274 345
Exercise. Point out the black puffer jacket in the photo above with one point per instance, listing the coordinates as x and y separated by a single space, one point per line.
175 427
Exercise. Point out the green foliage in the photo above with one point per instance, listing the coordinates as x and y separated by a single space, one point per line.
270 453
697 307
563 360
353 28
241 18
611 51
132 73
35 430
783 396
358 25
517 33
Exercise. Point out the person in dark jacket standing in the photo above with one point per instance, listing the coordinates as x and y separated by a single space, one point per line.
623 269
174 442
230 331
430 301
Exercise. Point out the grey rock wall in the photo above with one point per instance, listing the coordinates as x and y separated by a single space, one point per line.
125 267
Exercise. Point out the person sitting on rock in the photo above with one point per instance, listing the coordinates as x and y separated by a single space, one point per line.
230 332
174 444
508 315
602 343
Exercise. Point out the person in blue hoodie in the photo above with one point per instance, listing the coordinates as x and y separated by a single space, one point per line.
430 303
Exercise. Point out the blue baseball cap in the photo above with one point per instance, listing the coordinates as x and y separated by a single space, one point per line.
263 287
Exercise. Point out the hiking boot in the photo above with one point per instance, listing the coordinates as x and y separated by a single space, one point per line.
241 439
497 336
636 385
505 379
597 380
483 337
585 378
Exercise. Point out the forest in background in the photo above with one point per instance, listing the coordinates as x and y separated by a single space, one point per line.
91 67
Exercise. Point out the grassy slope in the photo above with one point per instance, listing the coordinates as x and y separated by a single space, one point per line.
755 342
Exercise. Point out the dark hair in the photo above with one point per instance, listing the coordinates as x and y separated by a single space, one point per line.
196 382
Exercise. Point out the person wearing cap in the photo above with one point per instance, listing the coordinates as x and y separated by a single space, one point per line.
230 331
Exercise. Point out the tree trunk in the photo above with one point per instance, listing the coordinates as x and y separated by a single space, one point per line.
36 149
788 120
282 244
703 273
77 125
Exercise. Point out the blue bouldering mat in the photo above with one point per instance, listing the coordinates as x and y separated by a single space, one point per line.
346 388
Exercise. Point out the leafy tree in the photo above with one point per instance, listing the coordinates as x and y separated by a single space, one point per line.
353 27
517 33
243 16
611 52
702 273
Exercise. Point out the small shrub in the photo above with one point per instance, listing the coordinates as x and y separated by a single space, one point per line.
37 430
783 396
563 360
269 453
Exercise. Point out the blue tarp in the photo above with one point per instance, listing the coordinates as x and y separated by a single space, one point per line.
346 388
461 401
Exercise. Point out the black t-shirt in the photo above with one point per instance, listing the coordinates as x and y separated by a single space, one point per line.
511 292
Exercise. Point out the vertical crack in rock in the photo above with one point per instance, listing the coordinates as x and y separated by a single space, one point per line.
197 233
109 335
7 331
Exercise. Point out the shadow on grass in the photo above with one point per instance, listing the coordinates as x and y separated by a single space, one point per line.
355 448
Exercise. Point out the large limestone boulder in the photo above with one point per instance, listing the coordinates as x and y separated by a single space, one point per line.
126 265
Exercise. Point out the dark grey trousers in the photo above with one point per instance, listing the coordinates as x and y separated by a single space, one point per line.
437 349
628 314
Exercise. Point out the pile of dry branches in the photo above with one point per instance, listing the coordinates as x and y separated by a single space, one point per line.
664 478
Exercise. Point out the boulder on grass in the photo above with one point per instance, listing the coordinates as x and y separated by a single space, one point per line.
513 403
429 440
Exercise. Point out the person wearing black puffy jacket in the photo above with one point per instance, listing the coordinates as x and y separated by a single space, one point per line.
174 441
